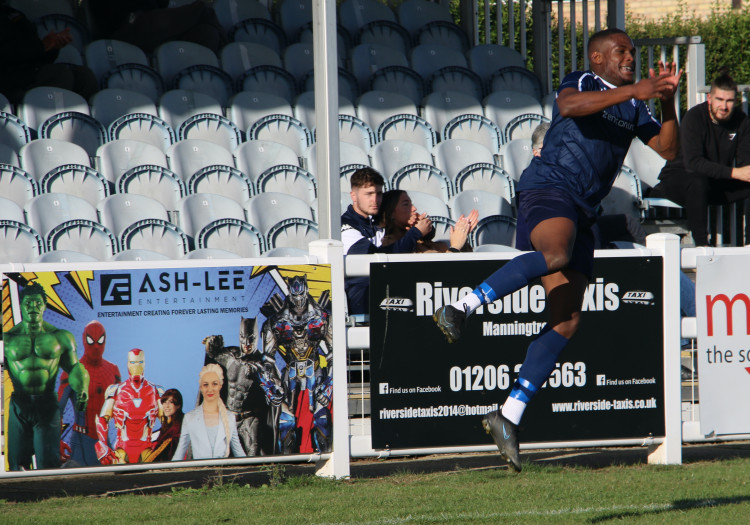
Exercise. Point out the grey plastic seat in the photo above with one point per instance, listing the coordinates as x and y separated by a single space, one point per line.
11 211
211 253
5 105
298 59
144 127
157 182
456 78
503 106
108 105
14 133
374 107
76 128
548 103
138 254
514 78
289 179
445 33
19 243
389 156
40 103
200 209
210 80
248 107
232 235
347 84
523 126
476 128
118 156
270 79
66 256
260 31
292 233
119 211
38 8
284 129
517 155
286 251
303 108
645 162
256 156
155 235
74 179
485 59
267 209
386 32
178 105
232 12
17 185
41 156
212 128
409 128
343 40
293 14
354 14
426 59
49 210
238 57
348 154
484 202
8 155
135 77
486 177
104 55
415 14
453 155
422 177
354 130
222 180
367 58
430 204
174 56
626 196
189 156
495 229
399 79
488 247
440 107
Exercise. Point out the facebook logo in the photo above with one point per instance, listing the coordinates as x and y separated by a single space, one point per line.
383 388
115 289
601 380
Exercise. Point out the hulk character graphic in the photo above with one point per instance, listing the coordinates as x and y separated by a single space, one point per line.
34 352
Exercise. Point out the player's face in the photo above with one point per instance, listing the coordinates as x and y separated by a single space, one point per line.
32 308
366 199
169 406
405 212
210 386
721 103
618 60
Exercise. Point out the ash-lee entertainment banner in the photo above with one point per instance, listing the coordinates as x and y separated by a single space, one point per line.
608 383
99 366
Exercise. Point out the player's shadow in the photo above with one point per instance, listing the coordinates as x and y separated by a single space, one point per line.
680 505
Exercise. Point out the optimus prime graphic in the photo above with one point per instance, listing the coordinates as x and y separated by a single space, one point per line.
135 406
245 397
299 385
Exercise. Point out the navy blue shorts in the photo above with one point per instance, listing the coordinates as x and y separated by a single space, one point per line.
535 206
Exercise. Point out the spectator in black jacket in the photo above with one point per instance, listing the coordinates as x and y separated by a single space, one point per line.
713 164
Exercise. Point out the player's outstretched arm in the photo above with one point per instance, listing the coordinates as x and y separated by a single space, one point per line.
666 143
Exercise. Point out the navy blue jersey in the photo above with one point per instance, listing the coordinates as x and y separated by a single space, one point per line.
583 155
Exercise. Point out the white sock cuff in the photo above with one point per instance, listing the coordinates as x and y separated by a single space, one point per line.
470 301
513 410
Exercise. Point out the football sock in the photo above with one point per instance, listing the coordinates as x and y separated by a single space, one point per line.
539 363
514 274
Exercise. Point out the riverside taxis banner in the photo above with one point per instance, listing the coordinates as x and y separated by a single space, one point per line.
723 352
131 340
425 392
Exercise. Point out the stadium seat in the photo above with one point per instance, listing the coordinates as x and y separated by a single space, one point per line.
374 107
222 180
399 79
366 59
486 59
48 210
486 204
256 156
14 133
66 256
422 177
157 182
76 128
440 107
19 243
516 155
495 229
119 211
136 77
209 80
200 209
286 251
645 162
58 22
354 130
270 79
211 253
415 14
267 209
426 59
625 197
144 127
174 56
523 126
476 128
303 108
292 233
343 40
17 185
388 33
189 156
5 105
41 156
8 155
74 179
456 78
260 31
488 247
212 128
137 254
178 105
238 57
289 179
102 56
108 105
486 177
10 211
231 235
514 78
40 103
345 177
548 103
284 129
503 106
348 154
430 204
232 12
293 14
298 59
248 107
354 14
445 33
389 156
347 84
155 235
453 155
410 128
118 156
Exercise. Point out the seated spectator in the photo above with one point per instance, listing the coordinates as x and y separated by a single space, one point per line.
149 23
28 61
713 164
398 215
361 233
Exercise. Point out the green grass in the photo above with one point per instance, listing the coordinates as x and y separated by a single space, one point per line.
701 492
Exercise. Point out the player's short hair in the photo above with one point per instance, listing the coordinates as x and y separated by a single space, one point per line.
724 81
537 136
599 36
366 177
33 289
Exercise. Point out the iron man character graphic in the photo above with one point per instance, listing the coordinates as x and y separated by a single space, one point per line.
135 406
299 391
82 447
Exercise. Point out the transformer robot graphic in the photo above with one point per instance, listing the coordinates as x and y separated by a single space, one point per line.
135 406
245 397
297 345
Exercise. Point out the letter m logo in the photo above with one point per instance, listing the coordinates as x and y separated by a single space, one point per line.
728 307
